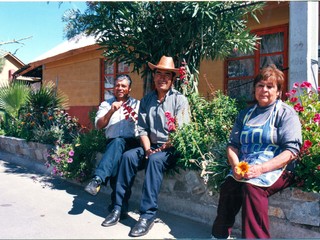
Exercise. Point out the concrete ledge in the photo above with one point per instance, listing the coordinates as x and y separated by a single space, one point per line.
293 213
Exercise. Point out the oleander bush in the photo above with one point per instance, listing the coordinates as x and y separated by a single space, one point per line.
202 143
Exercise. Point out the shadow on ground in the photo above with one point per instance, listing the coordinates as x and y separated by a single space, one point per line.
98 205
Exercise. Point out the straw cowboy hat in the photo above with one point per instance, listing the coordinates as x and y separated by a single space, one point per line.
165 63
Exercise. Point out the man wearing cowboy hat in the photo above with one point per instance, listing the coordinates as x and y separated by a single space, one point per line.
156 154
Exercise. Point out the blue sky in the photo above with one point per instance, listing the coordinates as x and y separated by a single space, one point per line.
41 20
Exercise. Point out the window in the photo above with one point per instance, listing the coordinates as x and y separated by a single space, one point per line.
109 72
242 68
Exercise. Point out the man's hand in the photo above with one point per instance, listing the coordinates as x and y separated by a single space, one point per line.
149 152
116 105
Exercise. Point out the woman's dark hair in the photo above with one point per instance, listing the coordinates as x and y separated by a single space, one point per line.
270 73
124 77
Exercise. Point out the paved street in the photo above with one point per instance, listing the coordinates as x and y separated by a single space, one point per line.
37 206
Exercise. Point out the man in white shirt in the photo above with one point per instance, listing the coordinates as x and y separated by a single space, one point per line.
118 116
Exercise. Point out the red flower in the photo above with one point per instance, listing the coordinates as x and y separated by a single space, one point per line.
182 72
298 107
306 85
296 85
288 94
293 99
129 113
171 123
307 144
316 118
293 91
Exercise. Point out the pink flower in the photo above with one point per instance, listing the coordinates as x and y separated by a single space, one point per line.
316 118
307 144
298 107
171 123
55 170
288 94
296 85
71 153
293 99
182 72
306 85
70 160
293 91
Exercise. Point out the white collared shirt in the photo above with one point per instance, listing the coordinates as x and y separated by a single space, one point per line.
122 123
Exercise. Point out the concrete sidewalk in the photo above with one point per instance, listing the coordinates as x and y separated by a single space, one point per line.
35 205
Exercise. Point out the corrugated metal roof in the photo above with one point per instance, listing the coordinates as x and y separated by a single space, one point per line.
77 42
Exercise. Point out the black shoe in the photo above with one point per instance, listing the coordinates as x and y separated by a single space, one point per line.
124 211
93 187
142 227
112 219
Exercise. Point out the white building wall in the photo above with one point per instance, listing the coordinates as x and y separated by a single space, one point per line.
303 42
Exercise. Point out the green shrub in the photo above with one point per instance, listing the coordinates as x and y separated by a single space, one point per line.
13 96
305 102
202 143
42 118
83 150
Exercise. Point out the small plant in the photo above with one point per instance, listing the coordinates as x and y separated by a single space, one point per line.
306 103
84 148
60 157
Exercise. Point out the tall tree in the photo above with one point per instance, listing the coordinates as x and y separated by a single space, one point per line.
137 32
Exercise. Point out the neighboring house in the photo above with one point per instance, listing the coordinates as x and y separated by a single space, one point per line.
79 69
8 65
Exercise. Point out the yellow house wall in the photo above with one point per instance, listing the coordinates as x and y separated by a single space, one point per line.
79 78
211 73
137 85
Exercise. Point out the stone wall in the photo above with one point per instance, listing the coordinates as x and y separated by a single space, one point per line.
31 150
293 213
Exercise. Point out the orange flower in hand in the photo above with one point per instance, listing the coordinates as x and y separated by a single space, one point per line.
242 168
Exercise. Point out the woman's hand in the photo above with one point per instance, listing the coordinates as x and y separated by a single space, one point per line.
254 171
236 175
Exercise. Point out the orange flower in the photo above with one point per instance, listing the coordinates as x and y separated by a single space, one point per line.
242 168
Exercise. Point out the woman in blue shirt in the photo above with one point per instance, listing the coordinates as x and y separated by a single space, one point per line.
267 136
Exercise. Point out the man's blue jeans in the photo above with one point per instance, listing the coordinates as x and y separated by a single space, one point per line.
155 166
109 164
